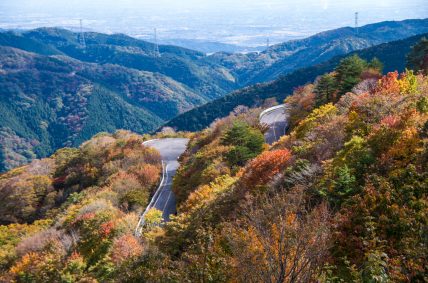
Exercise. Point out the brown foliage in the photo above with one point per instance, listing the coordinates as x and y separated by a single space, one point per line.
38 241
125 248
300 104
262 169
280 240
147 174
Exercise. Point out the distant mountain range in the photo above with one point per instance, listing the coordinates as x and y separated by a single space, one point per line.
55 92
392 55
284 58
183 65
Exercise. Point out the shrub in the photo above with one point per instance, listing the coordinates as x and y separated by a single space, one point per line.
262 169
246 143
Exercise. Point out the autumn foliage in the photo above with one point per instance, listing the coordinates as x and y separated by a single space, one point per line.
342 197
267 165
78 209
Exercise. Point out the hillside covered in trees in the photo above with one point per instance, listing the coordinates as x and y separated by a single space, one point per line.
51 102
54 92
72 216
57 91
392 54
341 198
284 58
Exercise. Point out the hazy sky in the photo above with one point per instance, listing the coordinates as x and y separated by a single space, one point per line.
234 21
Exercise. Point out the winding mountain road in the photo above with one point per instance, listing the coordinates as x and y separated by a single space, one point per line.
276 118
170 150
164 199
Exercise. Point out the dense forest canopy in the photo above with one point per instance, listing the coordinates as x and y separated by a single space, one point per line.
342 197
58 88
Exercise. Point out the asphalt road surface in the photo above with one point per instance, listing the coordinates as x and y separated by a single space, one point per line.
276 119
170 149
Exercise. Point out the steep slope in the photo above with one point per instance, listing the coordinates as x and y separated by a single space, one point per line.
289 56
51 102
101 187
344 190
69 92
392 54
341 198
183 65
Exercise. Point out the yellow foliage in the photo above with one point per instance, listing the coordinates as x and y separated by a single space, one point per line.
207 193
24 263
153 217
318 116
408 83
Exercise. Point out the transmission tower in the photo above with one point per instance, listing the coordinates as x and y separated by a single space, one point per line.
156 52
82 36
356 22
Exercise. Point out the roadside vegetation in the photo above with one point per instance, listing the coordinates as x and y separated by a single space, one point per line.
71 217
341 198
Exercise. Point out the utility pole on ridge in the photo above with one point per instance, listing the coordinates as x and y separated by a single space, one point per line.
156 52
82 36
356 22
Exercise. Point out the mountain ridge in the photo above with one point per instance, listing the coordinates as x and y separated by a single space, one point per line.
181 64
283 58
203 116
116 81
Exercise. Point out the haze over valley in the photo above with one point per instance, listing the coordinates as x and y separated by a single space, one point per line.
198 23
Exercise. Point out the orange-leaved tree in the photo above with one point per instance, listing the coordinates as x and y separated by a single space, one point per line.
263 168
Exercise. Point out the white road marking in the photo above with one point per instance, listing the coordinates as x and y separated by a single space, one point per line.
162 185
168 148
166 203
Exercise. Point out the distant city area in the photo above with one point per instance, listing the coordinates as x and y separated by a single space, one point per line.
222 26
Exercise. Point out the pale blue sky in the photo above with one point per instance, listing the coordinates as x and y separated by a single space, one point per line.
233 21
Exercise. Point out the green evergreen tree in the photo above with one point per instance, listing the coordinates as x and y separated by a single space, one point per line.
344 185
417 59
348 73
247 143
325 89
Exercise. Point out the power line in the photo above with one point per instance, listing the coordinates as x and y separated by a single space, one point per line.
82 36
156 52
356 23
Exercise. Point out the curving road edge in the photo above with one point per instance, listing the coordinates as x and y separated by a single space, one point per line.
170 150
163 199
277 119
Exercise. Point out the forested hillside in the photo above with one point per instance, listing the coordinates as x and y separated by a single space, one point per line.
57 91
76 210
54 92
281 59
342 197
393 55
50 102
